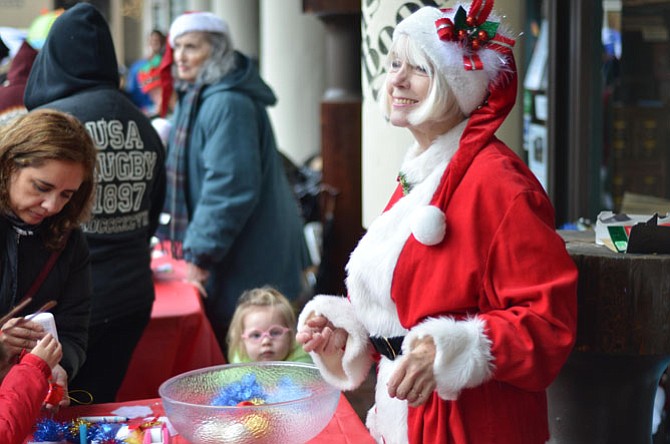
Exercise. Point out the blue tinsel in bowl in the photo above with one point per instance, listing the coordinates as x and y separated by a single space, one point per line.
259 402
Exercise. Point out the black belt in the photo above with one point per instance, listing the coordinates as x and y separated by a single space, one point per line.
389 347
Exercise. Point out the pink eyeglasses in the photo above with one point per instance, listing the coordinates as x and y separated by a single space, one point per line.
274 332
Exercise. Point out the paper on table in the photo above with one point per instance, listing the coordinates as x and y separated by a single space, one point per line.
134 411
614 229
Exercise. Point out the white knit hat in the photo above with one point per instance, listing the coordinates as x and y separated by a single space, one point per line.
453 40
197 21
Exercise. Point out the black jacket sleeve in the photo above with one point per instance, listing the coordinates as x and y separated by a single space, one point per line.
73 311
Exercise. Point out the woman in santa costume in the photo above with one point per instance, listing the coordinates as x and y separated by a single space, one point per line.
461 290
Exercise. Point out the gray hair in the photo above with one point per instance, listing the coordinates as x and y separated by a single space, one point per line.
220 62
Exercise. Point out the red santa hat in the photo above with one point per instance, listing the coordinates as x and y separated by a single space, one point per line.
474 53
468 48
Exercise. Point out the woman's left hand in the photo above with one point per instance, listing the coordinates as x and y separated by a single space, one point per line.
414 379
197 277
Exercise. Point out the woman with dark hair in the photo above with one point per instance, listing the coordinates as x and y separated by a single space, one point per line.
228 196
47 165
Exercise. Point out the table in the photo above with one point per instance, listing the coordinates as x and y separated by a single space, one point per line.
605 392
178 338
345 426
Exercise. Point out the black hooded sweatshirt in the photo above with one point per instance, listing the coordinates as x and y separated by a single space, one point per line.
76 72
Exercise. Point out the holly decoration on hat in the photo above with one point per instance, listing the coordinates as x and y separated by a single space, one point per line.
471 30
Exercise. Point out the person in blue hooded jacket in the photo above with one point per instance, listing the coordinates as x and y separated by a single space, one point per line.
233 216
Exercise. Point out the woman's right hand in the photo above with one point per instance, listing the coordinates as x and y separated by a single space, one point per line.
319 335
18 334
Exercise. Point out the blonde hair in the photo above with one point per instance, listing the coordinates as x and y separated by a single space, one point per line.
249 300
440 103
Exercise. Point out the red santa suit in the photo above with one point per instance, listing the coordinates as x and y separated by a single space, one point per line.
22 393
470 257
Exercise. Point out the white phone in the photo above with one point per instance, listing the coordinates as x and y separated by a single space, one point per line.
47 321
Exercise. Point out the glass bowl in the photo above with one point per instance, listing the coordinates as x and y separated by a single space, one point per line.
272 402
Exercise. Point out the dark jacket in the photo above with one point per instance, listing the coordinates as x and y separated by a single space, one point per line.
76 72
22 257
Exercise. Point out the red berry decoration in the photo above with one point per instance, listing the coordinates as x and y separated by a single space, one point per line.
483 36
475 43
462 34
470 21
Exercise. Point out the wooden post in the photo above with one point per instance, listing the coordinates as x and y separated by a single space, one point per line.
340 137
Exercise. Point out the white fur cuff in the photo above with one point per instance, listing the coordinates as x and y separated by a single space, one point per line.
350 370
463 353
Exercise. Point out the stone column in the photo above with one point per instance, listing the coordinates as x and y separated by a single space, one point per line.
198 5
134 39
116 27
292 63
243 18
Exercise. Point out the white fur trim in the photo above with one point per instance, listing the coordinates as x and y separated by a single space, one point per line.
387 420
419 163
349 370
197 21
428 225
463 353
371 265
469 87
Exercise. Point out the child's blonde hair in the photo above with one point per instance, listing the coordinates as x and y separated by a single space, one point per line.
249 300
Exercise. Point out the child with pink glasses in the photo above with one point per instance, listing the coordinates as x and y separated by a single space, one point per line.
263 329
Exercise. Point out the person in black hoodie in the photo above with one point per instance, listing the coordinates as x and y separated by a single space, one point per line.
76 71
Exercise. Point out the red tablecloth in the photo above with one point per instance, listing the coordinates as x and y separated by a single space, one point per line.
345 427
178 338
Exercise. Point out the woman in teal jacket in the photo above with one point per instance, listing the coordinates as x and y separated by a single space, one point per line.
234 218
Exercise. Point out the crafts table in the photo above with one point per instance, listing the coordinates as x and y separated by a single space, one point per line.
178 338
345 426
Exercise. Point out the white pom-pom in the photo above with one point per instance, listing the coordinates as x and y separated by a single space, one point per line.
428 225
